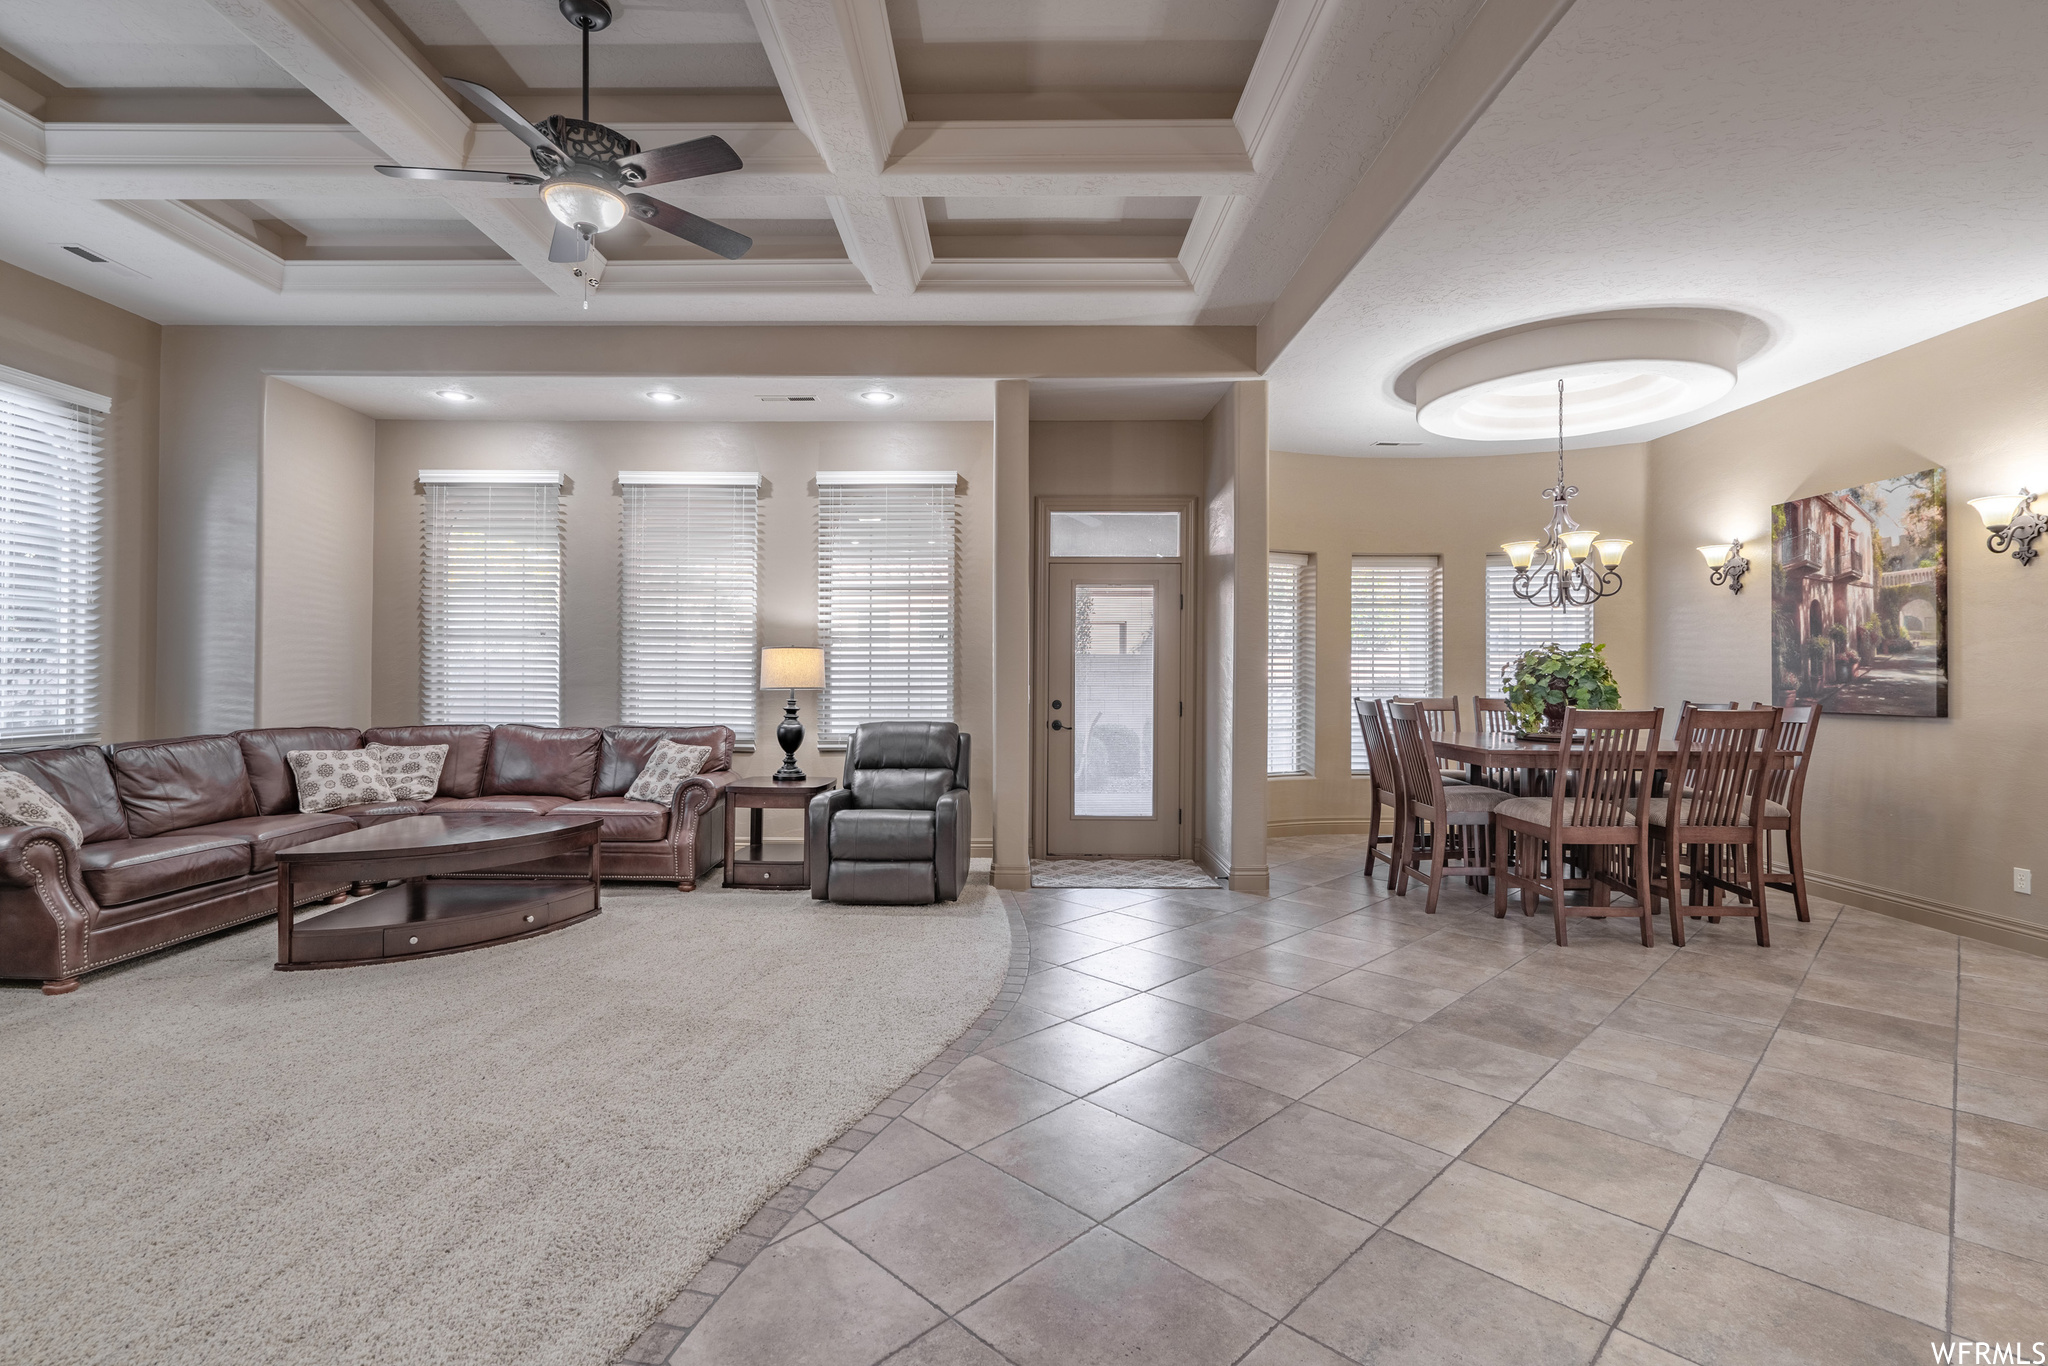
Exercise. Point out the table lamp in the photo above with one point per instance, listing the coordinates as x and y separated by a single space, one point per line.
791 669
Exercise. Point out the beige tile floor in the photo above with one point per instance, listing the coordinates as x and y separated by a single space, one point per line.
1323 1127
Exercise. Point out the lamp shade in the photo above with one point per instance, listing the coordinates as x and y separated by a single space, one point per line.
1520 553
1611 550
1997 510
792 669
1715 555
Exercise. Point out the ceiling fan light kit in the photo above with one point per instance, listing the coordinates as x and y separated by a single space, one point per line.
588 170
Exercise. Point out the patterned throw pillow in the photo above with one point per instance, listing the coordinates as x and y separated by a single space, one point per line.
329 778
413 772
23 803
666 769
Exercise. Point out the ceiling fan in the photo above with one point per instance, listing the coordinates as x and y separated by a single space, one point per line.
588 170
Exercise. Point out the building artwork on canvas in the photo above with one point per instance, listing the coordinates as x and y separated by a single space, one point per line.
1859 598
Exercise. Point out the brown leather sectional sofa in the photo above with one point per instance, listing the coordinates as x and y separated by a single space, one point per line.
181 836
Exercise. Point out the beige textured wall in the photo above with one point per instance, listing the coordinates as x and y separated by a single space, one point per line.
315 553
1914 816
590 454
1137 459
1231 788
1334 507
60 334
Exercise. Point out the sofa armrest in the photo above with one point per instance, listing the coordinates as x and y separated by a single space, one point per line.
818 838
45 910
952 833
696 828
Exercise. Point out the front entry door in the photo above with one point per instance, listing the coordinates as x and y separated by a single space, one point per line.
1113 715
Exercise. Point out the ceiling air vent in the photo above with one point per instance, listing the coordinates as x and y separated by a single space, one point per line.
88 254
787 398
1397 443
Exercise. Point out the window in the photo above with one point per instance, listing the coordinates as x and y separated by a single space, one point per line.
49 562
491 597
1513 626
689 600
1290 664
1397 632
886 556
1114 535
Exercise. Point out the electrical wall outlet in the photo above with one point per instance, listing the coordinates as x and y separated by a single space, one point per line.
2023 880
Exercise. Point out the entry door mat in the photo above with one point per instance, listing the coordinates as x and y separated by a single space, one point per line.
1117 872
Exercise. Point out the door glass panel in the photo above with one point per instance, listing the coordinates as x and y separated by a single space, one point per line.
1115 535
1113 688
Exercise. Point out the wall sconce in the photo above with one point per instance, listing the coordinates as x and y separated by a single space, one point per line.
1727 563
2012 522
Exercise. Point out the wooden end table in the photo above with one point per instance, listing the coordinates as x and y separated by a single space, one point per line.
755 795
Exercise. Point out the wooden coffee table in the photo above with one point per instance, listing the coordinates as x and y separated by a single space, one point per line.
753 795
432 910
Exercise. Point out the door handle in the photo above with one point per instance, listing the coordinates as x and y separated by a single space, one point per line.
1057 726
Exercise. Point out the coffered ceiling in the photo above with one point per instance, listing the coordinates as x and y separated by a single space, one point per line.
1366 182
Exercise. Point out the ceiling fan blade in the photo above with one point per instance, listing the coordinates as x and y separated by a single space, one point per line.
505 114
435 173
568 247
688 226
680 161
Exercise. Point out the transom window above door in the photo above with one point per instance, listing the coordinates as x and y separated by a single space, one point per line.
1114 535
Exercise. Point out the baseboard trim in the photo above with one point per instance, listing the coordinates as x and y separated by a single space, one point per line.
1321 825
1211 865
1010 879
981 848
2001 930
1250 881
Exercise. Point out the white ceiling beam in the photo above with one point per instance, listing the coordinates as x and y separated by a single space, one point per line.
1478 66
185 224
363 70
836 64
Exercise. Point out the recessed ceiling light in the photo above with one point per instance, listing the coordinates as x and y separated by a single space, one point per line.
1617 374
664 396
876 396
455 395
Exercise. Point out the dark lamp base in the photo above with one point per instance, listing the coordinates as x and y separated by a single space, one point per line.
789 734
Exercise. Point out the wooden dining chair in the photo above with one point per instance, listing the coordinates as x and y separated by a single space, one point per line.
1444 718
1493 716
1384 783
1593 814
1712 809
1785 793
1462 811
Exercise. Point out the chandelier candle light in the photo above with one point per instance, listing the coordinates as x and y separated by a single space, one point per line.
1569 567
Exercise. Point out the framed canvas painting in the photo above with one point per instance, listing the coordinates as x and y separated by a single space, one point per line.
1859 598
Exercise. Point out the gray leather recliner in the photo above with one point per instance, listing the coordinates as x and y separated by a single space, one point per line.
896 829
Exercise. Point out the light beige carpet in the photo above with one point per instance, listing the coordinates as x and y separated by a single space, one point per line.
510 1157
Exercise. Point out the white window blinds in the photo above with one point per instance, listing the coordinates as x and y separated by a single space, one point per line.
689 600
886 568
1397 631
491 597
1290 664
1513 626
49 562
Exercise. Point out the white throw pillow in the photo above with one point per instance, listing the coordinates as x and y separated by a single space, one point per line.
329 778
413 772
666 770
24 803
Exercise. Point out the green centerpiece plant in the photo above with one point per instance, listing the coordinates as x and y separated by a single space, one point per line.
1541 683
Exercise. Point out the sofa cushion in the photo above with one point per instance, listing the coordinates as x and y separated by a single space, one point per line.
623 818
412 772
376 813
329 778
627 749
77 776
886 834
23 803
120 871
668 768
168 785
462 773
268 834
270 774
494 806
543 761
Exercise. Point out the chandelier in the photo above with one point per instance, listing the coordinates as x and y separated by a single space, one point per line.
1568 567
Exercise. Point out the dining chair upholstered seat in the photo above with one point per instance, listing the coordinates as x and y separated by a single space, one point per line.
1469 805
1660 812
1537 810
